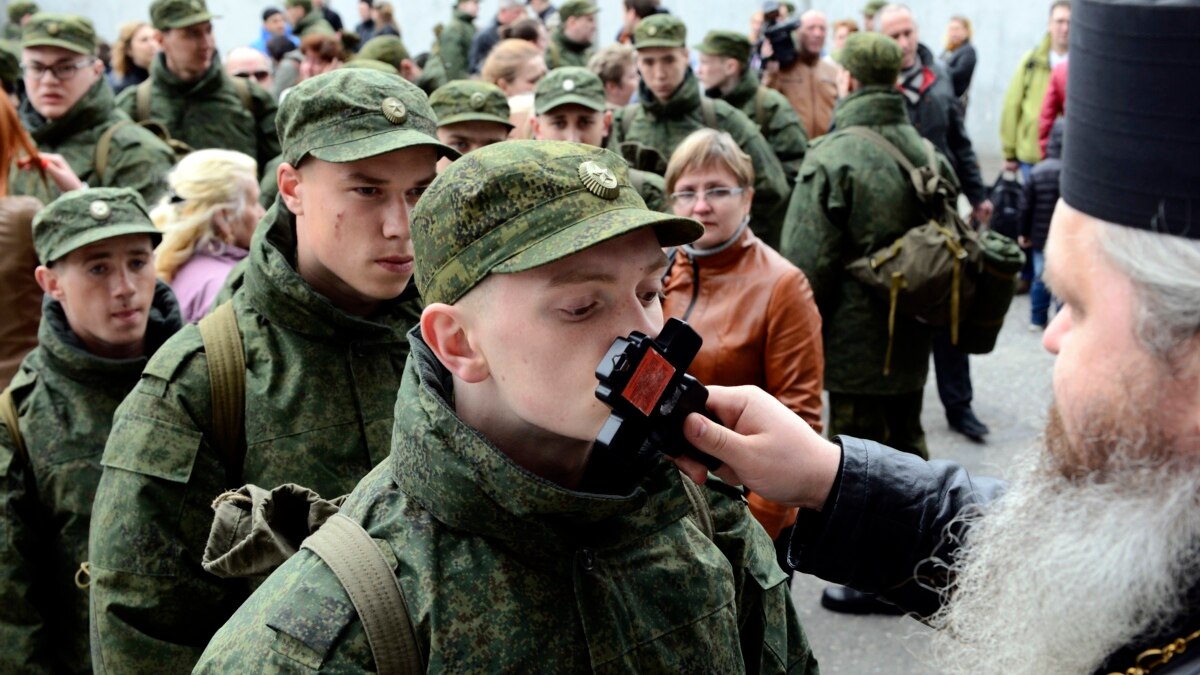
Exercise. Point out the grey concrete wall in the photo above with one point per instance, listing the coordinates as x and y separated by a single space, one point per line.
1003 31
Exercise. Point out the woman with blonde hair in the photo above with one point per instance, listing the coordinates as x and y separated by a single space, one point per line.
132 55
959 56
516 66
207 221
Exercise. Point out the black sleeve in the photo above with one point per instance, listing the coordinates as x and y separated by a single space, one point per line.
889 520
966 164
1028 205
962 69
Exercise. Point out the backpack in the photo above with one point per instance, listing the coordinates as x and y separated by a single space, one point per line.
1006 198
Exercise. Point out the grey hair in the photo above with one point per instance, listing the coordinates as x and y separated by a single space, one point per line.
1165 271
895 7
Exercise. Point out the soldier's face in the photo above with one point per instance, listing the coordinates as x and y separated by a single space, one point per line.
189 50
106 290
716 71
662 69
50 96
469 136
572 122
353 242
581 29
899 25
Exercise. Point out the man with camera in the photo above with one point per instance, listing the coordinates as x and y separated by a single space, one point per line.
793 66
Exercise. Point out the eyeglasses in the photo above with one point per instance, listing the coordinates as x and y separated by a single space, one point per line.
260 75
714 196
61 71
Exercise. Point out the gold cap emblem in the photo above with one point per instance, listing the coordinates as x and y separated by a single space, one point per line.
52 28
478 100
100 210
394 110
652 31
599 180
568 85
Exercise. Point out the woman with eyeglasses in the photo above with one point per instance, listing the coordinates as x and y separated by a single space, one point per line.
754 309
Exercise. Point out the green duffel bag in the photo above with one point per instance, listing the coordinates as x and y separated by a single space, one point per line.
994 290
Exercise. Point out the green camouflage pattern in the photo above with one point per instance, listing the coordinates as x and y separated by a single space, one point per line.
66 31
572 8
454 45
563 51
168 14
387 48
137 158
312 23
470 101
871 58
660 30
662 126
433 75
268 186
505 572
516 205
371 64
652 188
208 113
306 4
874 6
65 399
852 199
569 84
10 63
83 217
320 385
727 43
19 9
348 115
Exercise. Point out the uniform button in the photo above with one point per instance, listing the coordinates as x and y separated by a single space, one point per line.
587 559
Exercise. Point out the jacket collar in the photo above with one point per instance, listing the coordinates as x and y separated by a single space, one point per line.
729 257
463 16
209 82
467 483
872 106
685 100
744 91
276 290
93 109
567 43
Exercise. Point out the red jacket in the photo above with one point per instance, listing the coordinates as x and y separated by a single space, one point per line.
1054 104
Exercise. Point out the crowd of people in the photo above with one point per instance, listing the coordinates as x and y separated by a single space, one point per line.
352 300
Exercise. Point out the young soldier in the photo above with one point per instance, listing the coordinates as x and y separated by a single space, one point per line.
569 105
470 115
322 312
103 317
454 42
532 257
571 44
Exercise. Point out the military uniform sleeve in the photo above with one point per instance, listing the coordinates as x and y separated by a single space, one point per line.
813 231
264 120
786 135
771 187
126 102
153 608
795 356
142 162
454 51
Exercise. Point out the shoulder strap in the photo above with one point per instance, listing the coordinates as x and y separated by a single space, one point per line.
709 110
700 512
142 109
103 147
760 111
227 381
878 139
924 190
364 572
8 413
242 87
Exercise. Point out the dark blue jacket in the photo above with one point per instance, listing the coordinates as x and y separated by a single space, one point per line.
1041 192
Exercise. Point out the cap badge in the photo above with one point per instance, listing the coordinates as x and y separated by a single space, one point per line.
100 210
652 31
478 100
52 28
568 85
599 180
394 110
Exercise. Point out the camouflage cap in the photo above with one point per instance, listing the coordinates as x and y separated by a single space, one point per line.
874 6
18 10
371 64
168 14
871 58
572 8
517 205
306 4
10 63
569 84
387 48
66 31
350 114
83 217
659 30
727 43
470 101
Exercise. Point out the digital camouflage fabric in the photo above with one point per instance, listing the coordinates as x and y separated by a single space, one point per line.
387 48
454 45
564 51
470 101
871 58
169 14
65 31
660 30
65 398
208 113
851 199
727 43
83 217
313 23
136 158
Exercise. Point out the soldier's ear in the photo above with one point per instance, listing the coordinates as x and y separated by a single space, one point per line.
535 128
288 179
446 330
606 121
48 279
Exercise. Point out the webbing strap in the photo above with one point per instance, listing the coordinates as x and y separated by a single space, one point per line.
700 512
142 109
924 191
709 111
103 149
227 382
898 284
364 572
8 413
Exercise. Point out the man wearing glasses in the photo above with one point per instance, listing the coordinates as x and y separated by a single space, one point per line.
251 64
69 111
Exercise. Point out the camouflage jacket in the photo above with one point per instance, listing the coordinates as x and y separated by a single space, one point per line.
136 157
208 113
503 571
851 200
652 188
663 126
454 45
313 23
564 51
320 385
65 399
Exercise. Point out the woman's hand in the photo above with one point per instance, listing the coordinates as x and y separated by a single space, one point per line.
56 168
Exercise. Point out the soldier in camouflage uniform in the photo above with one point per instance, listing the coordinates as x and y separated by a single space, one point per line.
68 110
470 114
305 21
569 105
323 310
518 548
852 199
104 315
670 107
192 96
18 12
571 44
454 42
390 49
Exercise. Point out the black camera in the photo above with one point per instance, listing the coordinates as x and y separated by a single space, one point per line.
783 45
646 384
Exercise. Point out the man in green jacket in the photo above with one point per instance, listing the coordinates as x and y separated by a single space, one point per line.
571 44
305 21
518 546
192 96
18 13
68 110
1027 89
104 315
322 311
671 106
454 42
